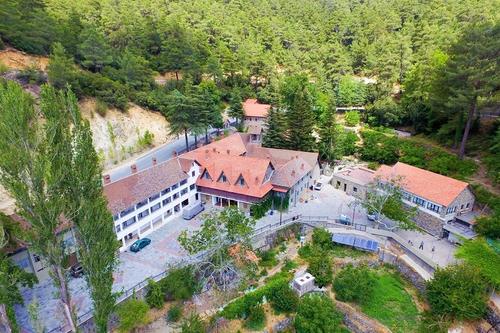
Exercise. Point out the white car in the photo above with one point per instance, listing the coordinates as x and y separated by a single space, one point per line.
318 186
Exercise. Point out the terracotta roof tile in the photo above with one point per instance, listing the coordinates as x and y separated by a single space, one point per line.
426 184
128 191
359 175
252 108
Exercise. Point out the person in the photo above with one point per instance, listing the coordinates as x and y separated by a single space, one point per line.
421 247
433 248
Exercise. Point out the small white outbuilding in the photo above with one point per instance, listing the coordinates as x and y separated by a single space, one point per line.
303 284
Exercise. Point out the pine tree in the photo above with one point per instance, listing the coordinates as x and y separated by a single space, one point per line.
236 108
329 134
60 69
300 115
94 51
275 129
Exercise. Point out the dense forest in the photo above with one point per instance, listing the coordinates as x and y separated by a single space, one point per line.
428 65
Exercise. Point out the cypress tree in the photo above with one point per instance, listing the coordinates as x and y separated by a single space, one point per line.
276 128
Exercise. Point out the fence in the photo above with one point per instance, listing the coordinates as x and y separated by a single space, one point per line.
312 221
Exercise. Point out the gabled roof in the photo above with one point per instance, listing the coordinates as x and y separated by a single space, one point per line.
290 173
252 108
426 184
359 175
233 167
128 191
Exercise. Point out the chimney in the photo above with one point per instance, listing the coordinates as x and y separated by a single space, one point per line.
302 166
228 151
133 168
107 179
154 160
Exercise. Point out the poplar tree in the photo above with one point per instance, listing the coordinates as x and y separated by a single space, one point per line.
275 129
298 101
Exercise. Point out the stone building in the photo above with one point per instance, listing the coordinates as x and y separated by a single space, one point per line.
255 119
353 180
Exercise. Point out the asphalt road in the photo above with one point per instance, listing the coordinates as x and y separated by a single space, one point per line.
162 153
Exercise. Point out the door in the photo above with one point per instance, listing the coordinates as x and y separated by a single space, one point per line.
345 187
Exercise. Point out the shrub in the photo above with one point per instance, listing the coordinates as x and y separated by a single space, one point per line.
256 318
320 266
317 313
289 265
268 258
352 118
2 45
146 140
31 75
180 284
458 291
132 313
354 284
101 108
174 313
489 226
193 324
155 296
283 299
322 238
3 68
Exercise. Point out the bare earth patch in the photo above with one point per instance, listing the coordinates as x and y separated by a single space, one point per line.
15 59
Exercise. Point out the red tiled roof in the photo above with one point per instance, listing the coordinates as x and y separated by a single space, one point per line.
253 171
359 175
426 184
128 191
252 108
234 144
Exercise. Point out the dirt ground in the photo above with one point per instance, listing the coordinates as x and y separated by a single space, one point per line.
15 59
116 135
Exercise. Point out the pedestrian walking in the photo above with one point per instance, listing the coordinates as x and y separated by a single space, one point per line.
433 248
421 247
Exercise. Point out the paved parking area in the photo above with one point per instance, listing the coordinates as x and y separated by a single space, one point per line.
164 250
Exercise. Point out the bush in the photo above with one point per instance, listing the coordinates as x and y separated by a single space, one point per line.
317 313
146 140
458 292
180 284
109 91
2 45
268 258
378 147
289 265
322 238
174 313
101 108
193 324
155 296
283 299
132 313
32 75
256 318
320 266
3 68
352 118
354 284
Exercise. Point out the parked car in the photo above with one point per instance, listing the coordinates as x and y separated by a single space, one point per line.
76 271
140 244
344 219
318 186
371 217
192 211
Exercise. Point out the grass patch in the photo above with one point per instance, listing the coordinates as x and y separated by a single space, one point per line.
391 304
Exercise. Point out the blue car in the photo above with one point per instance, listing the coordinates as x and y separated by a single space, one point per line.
140 244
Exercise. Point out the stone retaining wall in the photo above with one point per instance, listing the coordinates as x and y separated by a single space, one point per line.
357 322
406 270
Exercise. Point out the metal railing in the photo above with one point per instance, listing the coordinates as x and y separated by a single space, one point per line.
312 221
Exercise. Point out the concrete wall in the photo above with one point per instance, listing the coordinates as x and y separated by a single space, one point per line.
464 198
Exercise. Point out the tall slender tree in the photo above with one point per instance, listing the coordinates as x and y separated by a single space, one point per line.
300 115
275 129
329 135
179 113
236 108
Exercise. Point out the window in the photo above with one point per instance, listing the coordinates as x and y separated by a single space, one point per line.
154 197
117 228
177 208
155 207
168 213
419 201
36 258
222 178
143 214
193 173
433 207
338 183
142 203
185 203
355 189
467 206
175 186
184 191
166 201
176 196
451 210
129 222
206 175
406 196
462 207
184 182
127 211
192 187
115 217
165 191
240 181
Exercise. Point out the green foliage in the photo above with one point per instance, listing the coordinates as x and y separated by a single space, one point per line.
378 147
31 75
479 254
317 313
132 313
3 68
352 118
60 70
94 51
276 127
391 304
489 226
320 266
289 265
354 284
101 108
155 296
146 140
283 299
259 210
350 92
180 283
174 314
458 292
236 107
322 238
268 258
384 112
193 324
256 318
